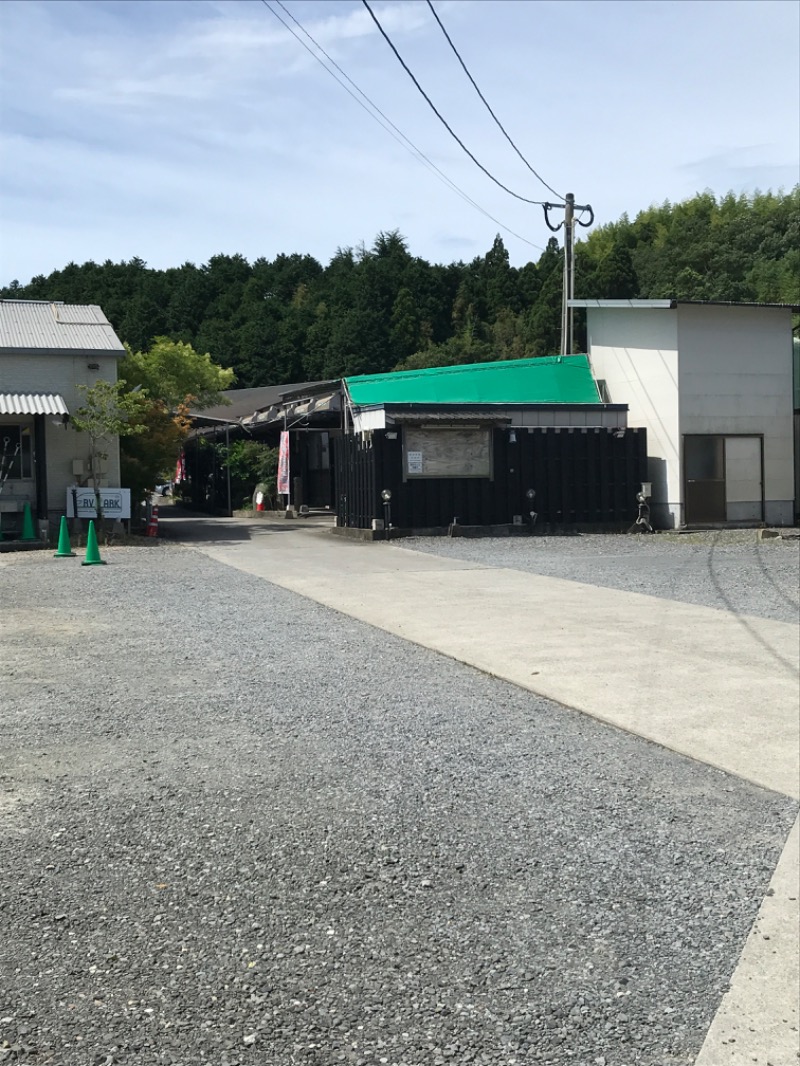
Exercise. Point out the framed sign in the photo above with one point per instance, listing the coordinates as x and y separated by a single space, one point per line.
116 503
449 452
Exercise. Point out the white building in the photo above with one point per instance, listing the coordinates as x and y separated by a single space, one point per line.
48 350
712 384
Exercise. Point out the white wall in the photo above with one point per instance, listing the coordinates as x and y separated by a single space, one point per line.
635 351
735 377
60 374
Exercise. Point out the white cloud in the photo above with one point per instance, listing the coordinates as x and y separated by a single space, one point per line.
228 53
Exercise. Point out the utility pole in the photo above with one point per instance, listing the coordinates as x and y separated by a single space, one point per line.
568 222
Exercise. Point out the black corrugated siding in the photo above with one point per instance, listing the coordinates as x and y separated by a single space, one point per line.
580 476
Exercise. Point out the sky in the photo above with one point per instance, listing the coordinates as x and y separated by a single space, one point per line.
175 130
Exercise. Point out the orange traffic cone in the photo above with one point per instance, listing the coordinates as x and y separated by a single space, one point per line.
152 525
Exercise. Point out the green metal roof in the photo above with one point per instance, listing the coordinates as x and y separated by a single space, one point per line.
550 379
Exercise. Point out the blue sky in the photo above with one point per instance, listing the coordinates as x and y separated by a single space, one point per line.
177 130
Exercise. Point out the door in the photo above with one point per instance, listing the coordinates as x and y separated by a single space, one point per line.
743 489
722 479
704 480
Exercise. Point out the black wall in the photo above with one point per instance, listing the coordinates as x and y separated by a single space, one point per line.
581 477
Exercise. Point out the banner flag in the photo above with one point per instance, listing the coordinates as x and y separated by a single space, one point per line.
283 465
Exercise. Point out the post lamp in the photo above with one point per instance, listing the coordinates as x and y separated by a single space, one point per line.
531 496
386 496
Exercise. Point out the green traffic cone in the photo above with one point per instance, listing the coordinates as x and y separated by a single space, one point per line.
64 547
92 551
28 532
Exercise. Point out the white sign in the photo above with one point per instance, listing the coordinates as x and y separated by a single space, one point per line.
116 503
415 462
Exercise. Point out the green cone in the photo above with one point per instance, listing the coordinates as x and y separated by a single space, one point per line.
64 547
28 532
92 551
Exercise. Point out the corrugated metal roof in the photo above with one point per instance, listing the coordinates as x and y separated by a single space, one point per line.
32 403
672 304
41 326
244 402
551 379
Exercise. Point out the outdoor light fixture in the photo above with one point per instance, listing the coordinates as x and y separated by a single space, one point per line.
531 496
386 496
512 436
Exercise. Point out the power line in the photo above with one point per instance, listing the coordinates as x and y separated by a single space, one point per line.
488 108
387 123
441 117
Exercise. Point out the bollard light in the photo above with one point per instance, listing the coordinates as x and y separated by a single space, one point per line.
386 496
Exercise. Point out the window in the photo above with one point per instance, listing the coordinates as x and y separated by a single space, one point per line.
16 452
463 451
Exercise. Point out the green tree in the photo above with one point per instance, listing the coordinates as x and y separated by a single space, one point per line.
405 327
174 374
291 318
173 378
109 411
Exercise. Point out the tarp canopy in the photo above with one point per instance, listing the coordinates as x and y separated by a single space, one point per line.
552 379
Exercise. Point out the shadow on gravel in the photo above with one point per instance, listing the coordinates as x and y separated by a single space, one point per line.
785 664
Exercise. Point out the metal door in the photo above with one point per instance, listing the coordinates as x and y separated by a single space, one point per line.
704 480
744 496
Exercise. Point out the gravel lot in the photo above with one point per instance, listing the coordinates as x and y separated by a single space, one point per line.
238 828
727 570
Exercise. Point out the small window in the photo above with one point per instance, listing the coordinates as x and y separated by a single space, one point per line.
16 453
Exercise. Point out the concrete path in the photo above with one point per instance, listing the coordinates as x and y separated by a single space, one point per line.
717 687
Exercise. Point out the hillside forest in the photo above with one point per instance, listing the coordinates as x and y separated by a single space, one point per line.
291 319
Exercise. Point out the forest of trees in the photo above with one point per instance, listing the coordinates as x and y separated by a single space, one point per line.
291 319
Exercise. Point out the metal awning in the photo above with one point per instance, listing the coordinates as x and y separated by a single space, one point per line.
32 403
291 409
319 405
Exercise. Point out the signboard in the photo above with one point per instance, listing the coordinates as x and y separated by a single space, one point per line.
448 451
283 465
414 462
116 503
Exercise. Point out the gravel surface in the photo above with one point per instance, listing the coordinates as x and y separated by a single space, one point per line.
238 828
727 570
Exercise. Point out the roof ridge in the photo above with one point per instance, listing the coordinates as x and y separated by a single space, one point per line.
497 364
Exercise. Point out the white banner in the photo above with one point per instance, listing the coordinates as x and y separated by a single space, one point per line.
116 503
283 466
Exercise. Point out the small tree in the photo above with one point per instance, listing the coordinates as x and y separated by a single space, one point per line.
251 463
175 378
109 412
